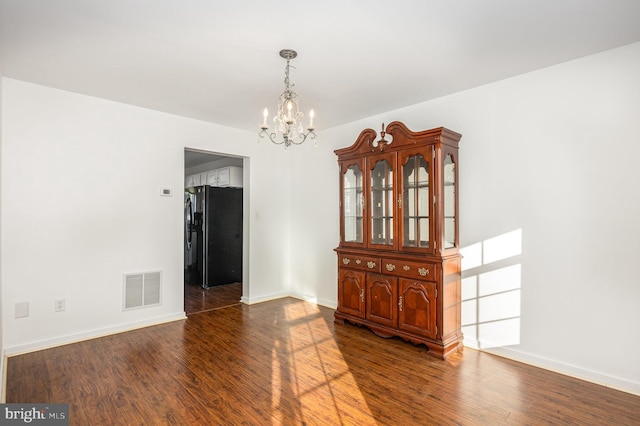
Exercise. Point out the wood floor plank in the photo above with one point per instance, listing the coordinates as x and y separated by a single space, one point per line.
285 362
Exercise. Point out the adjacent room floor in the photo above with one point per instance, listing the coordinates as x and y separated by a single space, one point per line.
197 299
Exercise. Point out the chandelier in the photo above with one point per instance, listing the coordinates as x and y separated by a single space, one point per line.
288 120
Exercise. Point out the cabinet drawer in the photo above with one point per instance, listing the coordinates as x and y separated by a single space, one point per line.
354 261
424 271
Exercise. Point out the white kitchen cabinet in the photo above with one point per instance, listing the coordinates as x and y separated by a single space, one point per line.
225 176
192 180
210 178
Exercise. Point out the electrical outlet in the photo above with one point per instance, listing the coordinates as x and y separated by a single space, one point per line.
59 305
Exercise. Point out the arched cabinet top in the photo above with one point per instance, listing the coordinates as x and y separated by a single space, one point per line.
397 136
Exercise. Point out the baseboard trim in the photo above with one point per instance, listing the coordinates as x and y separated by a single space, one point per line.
315 300
559 367
254 300
90 334
307 298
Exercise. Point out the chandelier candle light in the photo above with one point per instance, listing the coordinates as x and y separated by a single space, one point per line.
288 121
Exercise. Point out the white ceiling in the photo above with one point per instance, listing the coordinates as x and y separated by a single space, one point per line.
218 60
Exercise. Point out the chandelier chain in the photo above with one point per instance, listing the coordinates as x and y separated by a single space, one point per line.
286 77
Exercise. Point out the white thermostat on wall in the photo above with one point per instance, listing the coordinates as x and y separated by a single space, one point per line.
166 192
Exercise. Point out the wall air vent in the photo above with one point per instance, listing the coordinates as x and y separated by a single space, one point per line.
141 290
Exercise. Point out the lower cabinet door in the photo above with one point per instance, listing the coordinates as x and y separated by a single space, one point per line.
382 292
417 307
351 289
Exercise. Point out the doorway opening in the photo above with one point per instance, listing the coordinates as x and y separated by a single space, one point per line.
214 230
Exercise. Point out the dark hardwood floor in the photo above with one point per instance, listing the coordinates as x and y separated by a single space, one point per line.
197 299
285 362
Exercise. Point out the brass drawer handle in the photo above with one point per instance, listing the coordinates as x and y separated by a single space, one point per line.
346 260
358 261
371 265
406 268
400 303
390 267
423 271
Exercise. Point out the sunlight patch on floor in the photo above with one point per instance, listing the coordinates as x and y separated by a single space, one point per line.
325 383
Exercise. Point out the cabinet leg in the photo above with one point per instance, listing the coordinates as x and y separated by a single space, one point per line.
338 319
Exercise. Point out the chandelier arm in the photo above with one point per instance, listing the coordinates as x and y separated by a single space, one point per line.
311 134
271 136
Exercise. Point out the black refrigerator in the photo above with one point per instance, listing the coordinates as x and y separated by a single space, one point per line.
214 236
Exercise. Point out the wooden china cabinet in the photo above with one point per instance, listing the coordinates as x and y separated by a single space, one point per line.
398 258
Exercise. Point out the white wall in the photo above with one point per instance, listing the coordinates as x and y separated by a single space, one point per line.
80 208
548 162
1 307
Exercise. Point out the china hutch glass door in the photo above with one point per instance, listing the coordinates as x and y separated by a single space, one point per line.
382 202
449 202
352 205
416 226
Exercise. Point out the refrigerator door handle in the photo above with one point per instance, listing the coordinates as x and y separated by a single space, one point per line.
188 222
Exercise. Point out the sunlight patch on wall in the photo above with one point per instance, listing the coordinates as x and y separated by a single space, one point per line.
502 247
491 295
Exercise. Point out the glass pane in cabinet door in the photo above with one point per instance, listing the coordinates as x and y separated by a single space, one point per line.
352 204
415 196
449 176
382 203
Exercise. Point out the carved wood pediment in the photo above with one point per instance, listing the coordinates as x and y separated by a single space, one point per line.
396 136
